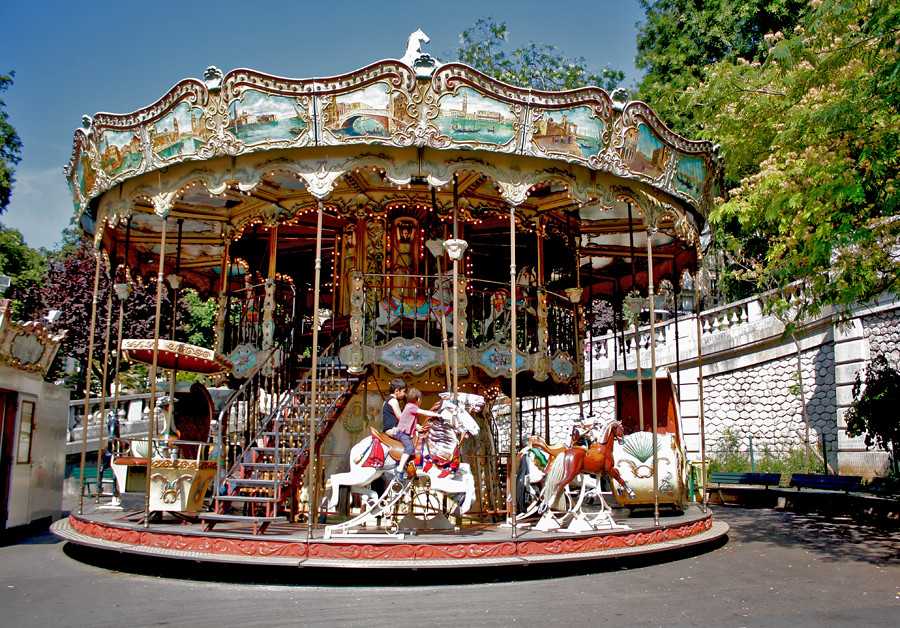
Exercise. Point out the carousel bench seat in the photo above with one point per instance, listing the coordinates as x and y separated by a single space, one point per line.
260 524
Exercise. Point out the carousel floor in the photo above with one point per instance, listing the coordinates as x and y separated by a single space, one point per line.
473 546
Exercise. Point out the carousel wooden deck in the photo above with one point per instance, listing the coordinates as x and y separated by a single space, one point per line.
478 546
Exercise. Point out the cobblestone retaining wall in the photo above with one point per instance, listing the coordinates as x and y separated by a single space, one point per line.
757 401
882 330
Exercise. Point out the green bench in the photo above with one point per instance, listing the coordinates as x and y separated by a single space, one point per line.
836 483
746 483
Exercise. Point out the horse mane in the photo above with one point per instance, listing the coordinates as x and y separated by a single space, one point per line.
607 430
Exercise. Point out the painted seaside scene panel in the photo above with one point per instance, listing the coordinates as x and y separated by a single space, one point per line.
258 117
574 131
467 116
178 133
120 151
373 111
690 174
643 152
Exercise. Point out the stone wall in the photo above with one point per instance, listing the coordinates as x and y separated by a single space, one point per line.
882 330
762 401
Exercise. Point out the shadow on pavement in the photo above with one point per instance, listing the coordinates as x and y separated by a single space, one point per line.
834 538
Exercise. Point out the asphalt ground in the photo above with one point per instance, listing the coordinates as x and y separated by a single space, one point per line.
776 569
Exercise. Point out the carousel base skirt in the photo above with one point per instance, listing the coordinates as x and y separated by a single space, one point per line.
478 546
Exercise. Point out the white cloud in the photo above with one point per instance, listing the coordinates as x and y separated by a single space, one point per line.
41 206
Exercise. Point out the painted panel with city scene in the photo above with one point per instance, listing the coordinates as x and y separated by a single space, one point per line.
575 131
470 117
179 133
373 111
257 117
120 151
643 152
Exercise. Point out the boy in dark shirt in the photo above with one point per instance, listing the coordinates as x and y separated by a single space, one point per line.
390 411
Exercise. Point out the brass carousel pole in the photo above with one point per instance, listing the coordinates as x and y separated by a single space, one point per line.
123 290
174 283
513 353
312 481
437 250
637 325
87 377
651 229
697 305
100 443
455 259
151 427
221 315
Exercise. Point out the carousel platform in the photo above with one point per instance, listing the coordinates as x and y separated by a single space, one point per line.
475 546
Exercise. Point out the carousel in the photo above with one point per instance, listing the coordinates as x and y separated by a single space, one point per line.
413 220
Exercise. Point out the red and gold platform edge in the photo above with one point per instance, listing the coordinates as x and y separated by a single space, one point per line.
225 548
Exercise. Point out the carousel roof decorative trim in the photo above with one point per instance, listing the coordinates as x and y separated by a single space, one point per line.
390 103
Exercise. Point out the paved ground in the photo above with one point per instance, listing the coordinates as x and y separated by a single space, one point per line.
776 569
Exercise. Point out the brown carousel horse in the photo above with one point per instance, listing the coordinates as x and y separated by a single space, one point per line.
595 459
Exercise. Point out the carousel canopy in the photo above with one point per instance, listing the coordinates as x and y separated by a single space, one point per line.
238 153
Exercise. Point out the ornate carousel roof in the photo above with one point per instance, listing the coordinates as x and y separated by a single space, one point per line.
234 152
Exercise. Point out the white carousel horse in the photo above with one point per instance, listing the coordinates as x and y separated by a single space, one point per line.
440 450
414 46
497 322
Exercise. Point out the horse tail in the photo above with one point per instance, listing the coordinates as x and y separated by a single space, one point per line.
553 481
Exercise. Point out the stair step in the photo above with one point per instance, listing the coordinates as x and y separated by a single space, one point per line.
250 482
274 449
266 465
245 498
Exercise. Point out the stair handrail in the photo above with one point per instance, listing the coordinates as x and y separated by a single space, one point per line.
269 362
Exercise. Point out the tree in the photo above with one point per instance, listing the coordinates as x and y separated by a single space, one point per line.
679 39
10 147
874 409
539 66
811 140
68 287
25 267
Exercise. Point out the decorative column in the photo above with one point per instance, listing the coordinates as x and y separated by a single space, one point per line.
268 330
542 363
355 359
222 305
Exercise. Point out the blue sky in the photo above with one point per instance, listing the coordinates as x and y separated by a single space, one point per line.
76 58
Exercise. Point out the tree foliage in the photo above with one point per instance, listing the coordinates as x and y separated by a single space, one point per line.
25 266
10 147
874 408
810 133
538 66
68 287
679 39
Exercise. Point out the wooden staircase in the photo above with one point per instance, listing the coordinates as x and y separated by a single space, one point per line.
265 481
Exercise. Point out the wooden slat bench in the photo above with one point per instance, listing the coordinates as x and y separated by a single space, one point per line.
835 483
745 483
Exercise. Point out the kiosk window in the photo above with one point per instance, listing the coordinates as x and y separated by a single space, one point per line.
26 430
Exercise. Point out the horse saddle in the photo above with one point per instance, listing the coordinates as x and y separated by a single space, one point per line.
393 448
